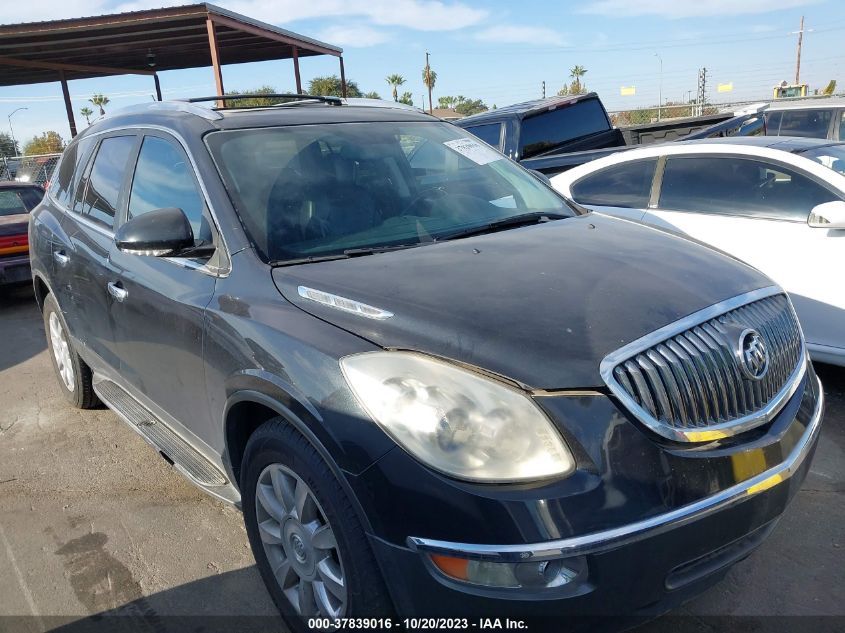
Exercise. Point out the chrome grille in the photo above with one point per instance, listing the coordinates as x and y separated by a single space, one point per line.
685 381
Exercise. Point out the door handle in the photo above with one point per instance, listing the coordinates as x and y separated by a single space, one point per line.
116 291
61 258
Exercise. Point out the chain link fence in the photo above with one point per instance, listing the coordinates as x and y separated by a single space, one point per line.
37 169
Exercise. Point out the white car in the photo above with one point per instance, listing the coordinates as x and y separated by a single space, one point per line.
776 203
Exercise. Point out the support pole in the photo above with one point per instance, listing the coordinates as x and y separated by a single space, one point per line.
342 79
158 87
798 53
215 59
296 69
68 106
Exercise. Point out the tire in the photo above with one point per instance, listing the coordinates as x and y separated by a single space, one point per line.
280 459
73 375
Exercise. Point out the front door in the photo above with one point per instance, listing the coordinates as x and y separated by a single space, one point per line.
159 317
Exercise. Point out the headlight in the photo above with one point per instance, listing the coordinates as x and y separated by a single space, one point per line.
457 422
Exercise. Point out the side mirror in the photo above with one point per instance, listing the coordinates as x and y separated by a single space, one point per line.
160 233
830 215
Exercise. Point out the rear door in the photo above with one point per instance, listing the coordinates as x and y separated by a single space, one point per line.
160 306
83 266
757 210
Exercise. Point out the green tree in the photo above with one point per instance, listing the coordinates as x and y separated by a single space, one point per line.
330 86
429 78
8 147
254 102
87 113
470 106
447 102
49 142
406 98
372 95
394 81
577 86
100 101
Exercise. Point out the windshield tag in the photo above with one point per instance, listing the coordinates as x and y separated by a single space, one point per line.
477 152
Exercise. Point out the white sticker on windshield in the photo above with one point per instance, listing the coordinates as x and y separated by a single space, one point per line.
476 151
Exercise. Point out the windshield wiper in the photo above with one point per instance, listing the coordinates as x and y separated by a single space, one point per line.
347 254
525 219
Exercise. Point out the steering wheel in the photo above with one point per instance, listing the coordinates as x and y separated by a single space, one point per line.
432 193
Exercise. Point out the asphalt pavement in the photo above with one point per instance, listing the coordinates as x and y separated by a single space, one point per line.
94 522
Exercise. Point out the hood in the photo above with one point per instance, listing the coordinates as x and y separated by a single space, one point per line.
542 305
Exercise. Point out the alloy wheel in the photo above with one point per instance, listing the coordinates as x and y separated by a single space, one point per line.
61 352
299 543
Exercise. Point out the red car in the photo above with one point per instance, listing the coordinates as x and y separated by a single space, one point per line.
17 199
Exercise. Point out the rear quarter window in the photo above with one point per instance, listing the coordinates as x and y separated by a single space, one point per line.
627 185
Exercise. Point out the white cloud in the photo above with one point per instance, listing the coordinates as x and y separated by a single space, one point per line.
353 36
537 35
688 8
422 15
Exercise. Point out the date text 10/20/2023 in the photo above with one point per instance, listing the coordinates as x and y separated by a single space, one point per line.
417 624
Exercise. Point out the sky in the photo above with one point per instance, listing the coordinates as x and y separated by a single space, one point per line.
499 51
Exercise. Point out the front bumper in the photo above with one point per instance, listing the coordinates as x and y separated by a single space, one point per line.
640 567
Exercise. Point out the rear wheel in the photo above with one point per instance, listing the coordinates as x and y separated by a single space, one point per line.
310 548
73 374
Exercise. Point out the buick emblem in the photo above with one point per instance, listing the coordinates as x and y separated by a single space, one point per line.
753 355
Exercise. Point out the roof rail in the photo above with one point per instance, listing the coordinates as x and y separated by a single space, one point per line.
299 97
177 106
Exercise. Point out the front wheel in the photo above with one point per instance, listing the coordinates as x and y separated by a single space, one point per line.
309 546
74 375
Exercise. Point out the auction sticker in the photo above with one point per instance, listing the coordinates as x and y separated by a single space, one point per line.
476 151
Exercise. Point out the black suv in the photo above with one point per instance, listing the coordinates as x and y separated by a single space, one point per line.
433 386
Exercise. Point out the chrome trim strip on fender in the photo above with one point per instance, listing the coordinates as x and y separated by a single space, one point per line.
623 535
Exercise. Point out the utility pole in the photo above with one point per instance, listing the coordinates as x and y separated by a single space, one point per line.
800 33
544 90
702 90
660 94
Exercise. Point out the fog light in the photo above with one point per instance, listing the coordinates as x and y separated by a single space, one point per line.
536 575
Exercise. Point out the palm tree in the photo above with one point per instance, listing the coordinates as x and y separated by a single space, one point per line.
429 79
576 73
86 112
447 103
100 101
395 81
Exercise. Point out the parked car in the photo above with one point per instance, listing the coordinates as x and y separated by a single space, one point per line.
815 118
555 134
433 386
776 203
16 201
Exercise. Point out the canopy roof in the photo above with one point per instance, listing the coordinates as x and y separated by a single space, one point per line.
142 42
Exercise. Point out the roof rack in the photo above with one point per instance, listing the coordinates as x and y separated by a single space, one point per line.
274 95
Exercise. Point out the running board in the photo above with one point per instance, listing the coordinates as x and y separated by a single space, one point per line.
184 457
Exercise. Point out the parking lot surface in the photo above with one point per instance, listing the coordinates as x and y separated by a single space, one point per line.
93 521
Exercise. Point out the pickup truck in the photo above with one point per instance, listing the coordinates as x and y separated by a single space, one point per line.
555 134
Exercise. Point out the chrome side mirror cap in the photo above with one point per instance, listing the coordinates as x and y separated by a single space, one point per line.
830 215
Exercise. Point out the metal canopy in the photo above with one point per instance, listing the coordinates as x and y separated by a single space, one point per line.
144 42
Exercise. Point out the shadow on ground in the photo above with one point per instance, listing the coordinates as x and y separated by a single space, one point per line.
21 332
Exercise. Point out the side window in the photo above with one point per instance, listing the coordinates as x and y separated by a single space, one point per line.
842 127
627 185
739 186
164 178
811 123
99 190
490 133
72 163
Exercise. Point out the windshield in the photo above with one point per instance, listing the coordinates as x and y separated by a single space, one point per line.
831 156
313 191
